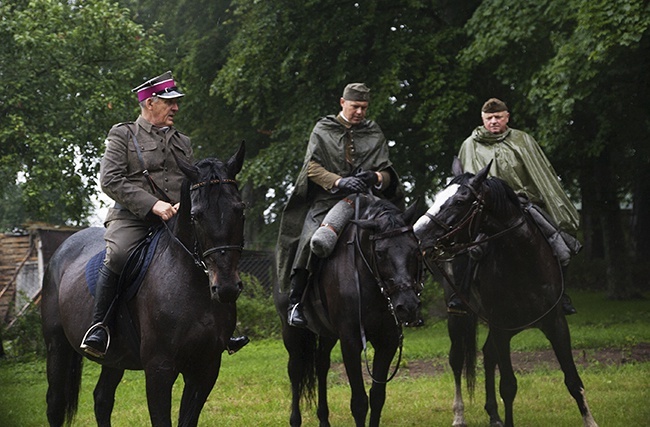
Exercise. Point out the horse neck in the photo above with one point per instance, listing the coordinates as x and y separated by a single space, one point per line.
181 233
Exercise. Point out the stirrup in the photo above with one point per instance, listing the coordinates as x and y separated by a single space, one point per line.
458 308
291 318
93 351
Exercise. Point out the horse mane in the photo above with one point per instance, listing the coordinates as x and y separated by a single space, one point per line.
384 209
502 196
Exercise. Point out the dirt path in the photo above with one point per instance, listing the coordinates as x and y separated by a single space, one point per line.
526 361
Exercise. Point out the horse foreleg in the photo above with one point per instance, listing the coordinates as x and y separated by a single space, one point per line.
160 378
508 381
490 363
459 405
323 362
462 355
557 332
384 354
198 385
104 394
351 351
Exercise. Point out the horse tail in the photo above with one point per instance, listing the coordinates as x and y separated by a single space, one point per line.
470 337
306 373
72 386
64 364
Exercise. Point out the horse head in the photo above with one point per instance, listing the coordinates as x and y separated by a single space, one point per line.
216 214
452 217
395 257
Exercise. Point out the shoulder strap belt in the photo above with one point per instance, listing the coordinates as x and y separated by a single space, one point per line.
145 172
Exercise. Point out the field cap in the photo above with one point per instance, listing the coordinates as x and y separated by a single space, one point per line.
494 105
162 86
356 92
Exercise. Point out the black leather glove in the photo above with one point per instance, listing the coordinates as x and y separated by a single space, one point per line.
352 184
369 177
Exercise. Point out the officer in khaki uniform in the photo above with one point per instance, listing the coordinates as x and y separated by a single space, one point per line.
140 202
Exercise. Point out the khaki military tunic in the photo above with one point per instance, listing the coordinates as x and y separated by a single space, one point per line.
122 179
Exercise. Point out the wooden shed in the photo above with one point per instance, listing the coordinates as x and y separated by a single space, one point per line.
23 257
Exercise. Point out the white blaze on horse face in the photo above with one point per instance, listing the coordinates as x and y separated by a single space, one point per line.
438 201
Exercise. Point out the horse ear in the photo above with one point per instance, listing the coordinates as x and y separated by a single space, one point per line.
456 167
409 214
237 160
482 174
368 224
191 171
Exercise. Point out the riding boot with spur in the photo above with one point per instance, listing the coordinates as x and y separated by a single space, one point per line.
565 300
237 343
457 302
295 315
96 340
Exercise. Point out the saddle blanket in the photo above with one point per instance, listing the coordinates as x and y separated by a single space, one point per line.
134 271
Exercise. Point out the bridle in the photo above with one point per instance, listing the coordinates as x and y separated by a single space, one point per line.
471 220
385 290
197 255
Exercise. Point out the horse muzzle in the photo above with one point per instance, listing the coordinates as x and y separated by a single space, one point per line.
224 290
406 305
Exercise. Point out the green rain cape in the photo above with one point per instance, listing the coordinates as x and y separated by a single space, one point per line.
327 147
520 161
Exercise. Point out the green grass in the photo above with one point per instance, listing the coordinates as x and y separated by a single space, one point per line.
253 388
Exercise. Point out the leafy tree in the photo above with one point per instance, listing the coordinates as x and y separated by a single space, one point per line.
65 69
289 61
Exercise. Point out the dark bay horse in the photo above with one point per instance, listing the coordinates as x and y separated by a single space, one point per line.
366 288
181 318
518 284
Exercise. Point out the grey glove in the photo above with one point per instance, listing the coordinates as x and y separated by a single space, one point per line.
352 184
369 177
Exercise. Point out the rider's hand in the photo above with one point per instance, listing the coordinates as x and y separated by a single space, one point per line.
164 210
352 184
369 177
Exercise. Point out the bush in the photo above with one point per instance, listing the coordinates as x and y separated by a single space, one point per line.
256 315
24 338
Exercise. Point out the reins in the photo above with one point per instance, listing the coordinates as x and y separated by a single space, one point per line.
458 248
199 259
384 290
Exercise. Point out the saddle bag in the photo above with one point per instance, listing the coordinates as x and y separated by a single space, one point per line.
325 237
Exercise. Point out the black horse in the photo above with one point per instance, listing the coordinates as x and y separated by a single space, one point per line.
518 284
181 318
363 291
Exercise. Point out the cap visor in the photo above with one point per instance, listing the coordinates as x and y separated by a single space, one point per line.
171 95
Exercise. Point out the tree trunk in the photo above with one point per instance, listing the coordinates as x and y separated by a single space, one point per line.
617 254
641 227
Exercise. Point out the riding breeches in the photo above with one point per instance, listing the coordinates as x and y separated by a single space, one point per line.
122 237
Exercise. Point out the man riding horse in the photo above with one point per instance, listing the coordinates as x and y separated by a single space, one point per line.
346 154
140 173
519 160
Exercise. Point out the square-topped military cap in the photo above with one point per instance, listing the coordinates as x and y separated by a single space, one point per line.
162 86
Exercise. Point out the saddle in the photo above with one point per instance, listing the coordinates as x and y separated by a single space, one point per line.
134 270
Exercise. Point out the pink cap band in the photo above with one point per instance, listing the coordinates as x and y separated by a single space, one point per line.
148 92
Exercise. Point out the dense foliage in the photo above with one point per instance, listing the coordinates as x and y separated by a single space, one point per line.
64 67
574 73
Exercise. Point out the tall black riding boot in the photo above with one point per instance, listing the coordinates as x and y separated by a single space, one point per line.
457 304
298 284
96 340
565 300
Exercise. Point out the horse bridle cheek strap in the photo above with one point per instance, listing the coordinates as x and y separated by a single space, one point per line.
199 259
357 243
